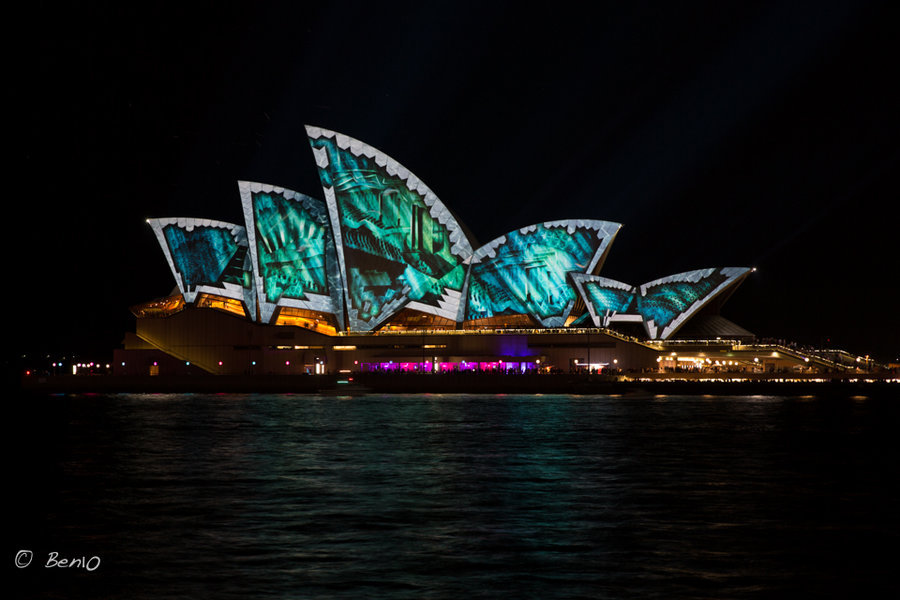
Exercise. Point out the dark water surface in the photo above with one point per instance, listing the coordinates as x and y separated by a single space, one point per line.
451 496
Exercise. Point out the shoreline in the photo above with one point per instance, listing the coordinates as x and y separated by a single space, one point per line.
886 384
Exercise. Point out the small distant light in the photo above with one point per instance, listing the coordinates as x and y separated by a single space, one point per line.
123 363
155 364
253 363
220 363
187 363
287 362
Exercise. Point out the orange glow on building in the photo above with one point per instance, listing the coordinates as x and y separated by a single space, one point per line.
161 307
228 305
297 317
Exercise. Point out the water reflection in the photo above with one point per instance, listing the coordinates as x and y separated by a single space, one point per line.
443 495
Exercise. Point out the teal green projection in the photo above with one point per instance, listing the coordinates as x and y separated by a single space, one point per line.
290 246
206 256
527 275
382 247
665 301
393 249
608 299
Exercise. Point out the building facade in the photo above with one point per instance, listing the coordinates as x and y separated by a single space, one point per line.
381 275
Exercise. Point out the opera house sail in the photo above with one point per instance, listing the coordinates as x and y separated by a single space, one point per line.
397 244
292 251
662 305
525 271
207 257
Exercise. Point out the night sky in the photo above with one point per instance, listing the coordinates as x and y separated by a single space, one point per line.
719 134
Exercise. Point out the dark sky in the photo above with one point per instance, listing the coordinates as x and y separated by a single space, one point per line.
719 134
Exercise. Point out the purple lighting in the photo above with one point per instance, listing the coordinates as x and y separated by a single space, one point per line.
448 367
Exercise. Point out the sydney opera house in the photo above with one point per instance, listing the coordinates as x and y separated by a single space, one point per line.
382 276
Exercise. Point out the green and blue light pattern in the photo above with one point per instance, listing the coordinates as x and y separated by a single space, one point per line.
665 301
206 256
393 250
608 299
290 248
527 275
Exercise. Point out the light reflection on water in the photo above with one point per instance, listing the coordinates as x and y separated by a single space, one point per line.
440 496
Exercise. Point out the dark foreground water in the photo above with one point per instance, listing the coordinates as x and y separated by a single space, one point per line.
288 496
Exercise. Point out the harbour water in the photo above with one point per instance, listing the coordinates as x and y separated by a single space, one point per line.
449 496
